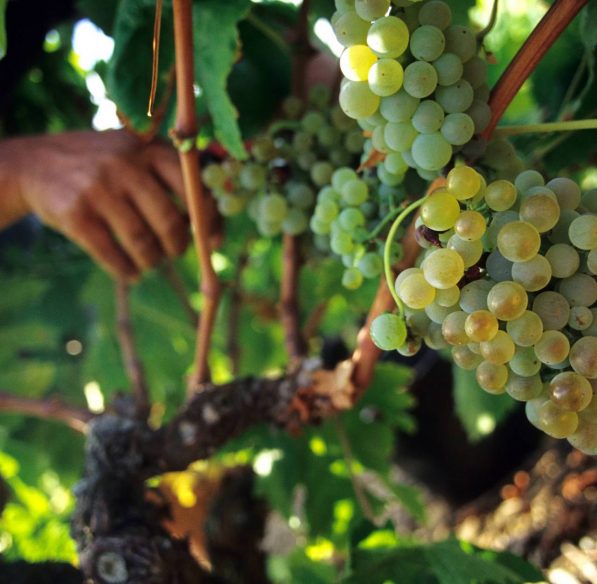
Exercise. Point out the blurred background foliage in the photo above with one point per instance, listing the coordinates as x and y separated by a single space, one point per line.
57 321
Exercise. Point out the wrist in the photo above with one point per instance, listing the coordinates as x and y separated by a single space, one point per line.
13 154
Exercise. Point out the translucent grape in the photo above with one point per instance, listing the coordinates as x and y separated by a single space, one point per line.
415 291
398 107
559 234
481 326
533 274
388 37
371 9
579 290
312 121
580 318
341 243
528 179
461 41
567 192
557 422
349 219
428 118
252 176
492 377
583 357
455 98
357 100
300 195
525 330
385 77
499 350
473 296
465 358
214 176
518 241
453 328
436 13
370 265
524 388
318 226
541 211
295 222
400 136
470 251
448 68
570 391
470 225
552 348
592 261
498 267
443 268
525 362
388 331
440 211
355 192
589 201
356 61
583 232
585 436
341 176
431 151
458 129
434 338
553 309
230 205
463 182
427 43
273 208
447 296
437 313
394 163
352 279
326 210
563 259
420 79
321 173
507 300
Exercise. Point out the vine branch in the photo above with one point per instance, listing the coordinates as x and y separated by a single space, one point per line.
185 132
545 34
130 357
51 408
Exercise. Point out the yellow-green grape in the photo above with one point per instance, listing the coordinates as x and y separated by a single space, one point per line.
579 289
567 192
518 241
525 362
528 179
453 328
553 309
583 357
580 318
388 331
563 259
448 296
470 251
481 326
415 291
570 391
541 211
350 29
585 436
592 261
352 279
214 176
357 100
356 61
470 225
491 377
475 348
388 37
443 268
434 338
410 347
500 195
439 313
583 232
473 296
532 408
525 330
385 77
230 205
532 275
507 300
552 348
403 275
417 321
556 422
498 350
464 182
465 358
524 388
371 9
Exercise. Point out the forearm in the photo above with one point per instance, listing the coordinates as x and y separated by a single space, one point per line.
13 158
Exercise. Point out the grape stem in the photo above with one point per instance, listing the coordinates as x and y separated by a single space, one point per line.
564 126
186 128
387 252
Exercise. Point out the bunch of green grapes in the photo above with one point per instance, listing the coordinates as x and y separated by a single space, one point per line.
299 178
507 280
413 79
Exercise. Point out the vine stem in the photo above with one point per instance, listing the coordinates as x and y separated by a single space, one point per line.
387 252
551 26
296 346
51 408
186 130
565 126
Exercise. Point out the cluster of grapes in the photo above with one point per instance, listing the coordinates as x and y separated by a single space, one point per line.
413 79
300 177
508 281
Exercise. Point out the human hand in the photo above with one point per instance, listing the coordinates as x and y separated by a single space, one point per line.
107 191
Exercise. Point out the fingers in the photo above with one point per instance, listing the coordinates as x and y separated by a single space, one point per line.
162 215
135 236
94 236
164 161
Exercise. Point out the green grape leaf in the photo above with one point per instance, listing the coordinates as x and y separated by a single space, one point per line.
217 46
3 28
478 411
447 562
